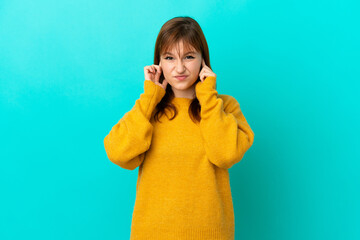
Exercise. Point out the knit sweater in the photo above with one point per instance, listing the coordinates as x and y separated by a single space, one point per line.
183 188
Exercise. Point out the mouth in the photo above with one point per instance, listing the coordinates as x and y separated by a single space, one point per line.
181 77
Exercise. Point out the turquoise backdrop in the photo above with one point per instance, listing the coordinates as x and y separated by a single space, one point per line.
69 70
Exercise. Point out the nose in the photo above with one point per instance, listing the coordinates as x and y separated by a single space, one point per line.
180 67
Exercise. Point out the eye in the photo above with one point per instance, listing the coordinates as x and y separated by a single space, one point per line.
189 57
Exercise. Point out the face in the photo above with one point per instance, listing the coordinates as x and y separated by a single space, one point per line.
176 63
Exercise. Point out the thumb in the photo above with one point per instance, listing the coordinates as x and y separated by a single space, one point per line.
157 74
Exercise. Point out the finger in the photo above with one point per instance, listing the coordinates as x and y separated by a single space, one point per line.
157 74
201 74
204 77
157 68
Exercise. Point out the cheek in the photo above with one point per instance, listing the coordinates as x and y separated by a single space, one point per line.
196 67
166 70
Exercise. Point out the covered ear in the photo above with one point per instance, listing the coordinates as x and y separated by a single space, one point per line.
160 63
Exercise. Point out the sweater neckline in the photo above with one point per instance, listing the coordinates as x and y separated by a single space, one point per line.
182 100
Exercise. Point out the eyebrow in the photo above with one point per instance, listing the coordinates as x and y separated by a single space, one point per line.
184 54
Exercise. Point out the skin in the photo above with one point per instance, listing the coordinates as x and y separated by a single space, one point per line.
174 64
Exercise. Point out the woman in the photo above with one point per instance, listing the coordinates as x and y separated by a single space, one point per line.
184 137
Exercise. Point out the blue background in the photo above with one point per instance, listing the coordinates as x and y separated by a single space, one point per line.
69 70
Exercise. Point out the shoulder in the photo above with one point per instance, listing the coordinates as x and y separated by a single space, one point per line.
230 103
228 100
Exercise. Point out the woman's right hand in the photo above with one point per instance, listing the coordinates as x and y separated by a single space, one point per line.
153 73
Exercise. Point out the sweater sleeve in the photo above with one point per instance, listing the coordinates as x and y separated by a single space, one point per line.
130 138
225 131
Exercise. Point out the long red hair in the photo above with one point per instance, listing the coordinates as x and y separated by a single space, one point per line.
171 33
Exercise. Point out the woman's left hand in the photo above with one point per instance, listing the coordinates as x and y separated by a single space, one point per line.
205 72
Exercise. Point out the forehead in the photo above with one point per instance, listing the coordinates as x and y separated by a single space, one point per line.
179 47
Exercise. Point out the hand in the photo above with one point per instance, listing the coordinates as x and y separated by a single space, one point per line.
205 72
153 73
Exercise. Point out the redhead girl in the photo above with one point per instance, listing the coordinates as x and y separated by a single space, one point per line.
184 136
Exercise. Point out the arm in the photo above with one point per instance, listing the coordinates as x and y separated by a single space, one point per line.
130 138
226 134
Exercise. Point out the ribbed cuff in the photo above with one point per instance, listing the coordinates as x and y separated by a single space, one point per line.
152 95
206 88
207 95
208 83
158 91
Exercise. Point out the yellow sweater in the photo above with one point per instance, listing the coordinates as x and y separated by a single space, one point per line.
183 189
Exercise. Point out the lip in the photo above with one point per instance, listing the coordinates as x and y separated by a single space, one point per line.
181 77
